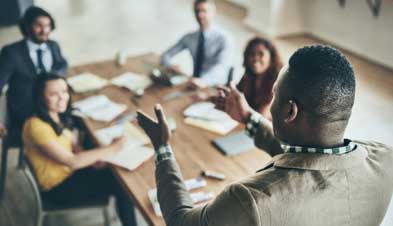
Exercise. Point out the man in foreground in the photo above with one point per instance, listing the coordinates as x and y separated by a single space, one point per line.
316 177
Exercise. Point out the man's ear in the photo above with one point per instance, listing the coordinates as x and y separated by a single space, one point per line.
292 112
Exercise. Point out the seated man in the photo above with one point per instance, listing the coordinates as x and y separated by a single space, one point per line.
21 62
316 176
209 46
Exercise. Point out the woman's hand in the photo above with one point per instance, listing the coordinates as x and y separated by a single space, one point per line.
118 143
99 165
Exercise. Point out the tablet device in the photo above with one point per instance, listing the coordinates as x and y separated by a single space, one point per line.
234 143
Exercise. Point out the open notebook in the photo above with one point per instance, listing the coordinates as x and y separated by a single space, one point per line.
100 108
86 82
205 116
134 152
132 81
234 144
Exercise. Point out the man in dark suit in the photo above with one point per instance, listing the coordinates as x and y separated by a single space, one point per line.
23 61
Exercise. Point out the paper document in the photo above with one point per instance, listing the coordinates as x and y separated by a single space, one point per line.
134 153
205 116
100 108
130 158
106 135
86 82
132 81
205 110
219 127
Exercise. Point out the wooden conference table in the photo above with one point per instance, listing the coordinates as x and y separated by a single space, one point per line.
192 146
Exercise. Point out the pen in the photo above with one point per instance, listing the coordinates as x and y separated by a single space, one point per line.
213 175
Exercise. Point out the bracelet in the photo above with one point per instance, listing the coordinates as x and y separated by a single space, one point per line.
253 124
164 152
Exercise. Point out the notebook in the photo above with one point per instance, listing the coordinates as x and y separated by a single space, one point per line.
134 153
234 143
205 116
86 82
132 81
100 108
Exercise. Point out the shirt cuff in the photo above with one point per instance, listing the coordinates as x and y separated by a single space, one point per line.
253 124
164 152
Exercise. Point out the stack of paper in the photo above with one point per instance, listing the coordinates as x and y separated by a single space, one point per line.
205 116
132 81
100 108
134 153
86 82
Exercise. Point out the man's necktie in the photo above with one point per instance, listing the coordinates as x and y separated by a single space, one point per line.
200 56
40 66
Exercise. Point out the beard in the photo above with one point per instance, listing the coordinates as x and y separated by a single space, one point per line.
39 38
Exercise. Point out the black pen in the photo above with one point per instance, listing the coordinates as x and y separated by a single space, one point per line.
213 175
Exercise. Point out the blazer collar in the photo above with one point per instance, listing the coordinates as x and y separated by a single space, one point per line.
26 56
316 161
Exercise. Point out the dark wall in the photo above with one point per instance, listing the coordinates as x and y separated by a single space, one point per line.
12 10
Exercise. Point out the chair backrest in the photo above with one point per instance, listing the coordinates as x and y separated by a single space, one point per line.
26 169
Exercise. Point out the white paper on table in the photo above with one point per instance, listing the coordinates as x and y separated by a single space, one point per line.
88 104
100 108
86 82
108 113
132 81
207 111
130 157
134 153
133 134
220 127
106 135
205 116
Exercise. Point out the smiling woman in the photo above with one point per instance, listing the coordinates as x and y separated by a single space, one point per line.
262 64
65 173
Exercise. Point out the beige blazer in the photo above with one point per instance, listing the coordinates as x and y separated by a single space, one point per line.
294 189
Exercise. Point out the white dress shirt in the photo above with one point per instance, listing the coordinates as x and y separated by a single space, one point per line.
217 58
47 58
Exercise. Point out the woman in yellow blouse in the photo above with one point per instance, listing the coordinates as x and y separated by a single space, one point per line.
64 173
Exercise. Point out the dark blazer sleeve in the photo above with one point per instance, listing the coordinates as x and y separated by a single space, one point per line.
60 64
6 67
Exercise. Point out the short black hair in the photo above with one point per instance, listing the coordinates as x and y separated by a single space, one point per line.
323 82
40 108
30 16
196 2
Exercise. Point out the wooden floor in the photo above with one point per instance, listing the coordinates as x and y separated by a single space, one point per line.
89 31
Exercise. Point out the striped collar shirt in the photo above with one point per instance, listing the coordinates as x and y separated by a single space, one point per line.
348 147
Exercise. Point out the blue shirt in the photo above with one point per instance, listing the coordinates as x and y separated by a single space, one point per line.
217 58
47 58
